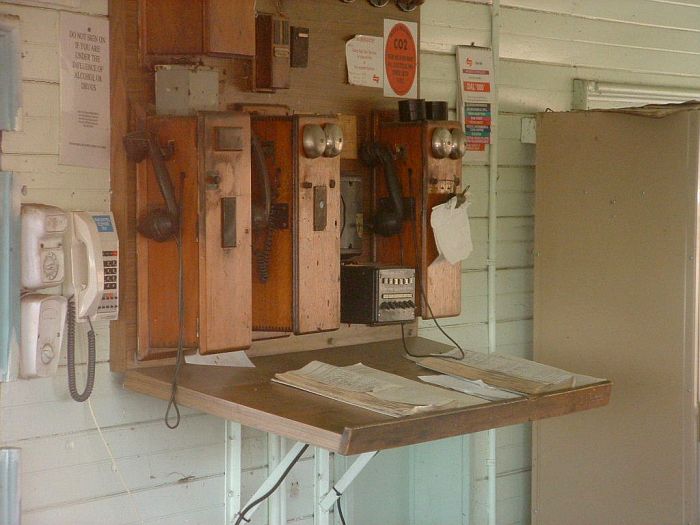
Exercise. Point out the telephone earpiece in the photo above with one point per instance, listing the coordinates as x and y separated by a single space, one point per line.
388 219
157 224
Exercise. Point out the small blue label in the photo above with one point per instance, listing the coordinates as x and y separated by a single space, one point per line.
103 222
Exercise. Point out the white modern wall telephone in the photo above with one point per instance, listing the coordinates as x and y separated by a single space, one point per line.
80 251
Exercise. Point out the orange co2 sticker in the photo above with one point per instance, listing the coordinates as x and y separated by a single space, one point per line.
400 59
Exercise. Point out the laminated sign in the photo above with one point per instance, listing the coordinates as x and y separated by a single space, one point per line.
400 59
475 69
85 119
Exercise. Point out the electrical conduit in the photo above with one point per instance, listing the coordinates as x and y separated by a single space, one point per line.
491 261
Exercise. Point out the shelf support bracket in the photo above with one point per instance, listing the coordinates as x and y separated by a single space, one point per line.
272 479
345 480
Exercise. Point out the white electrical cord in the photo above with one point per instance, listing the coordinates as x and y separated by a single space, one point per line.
115 467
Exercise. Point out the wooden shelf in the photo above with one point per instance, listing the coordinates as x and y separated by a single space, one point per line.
247 396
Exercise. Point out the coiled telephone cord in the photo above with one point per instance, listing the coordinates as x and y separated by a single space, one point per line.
70 356
262 257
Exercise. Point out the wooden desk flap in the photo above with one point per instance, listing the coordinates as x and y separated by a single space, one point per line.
246 395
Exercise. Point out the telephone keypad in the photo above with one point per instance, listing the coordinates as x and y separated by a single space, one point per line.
109 306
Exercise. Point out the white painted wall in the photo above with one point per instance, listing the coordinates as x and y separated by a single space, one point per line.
67 477
545 44
178 477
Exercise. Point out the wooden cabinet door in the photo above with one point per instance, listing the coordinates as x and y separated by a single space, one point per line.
427 181
229 27
224 232
157 274
172 27
317 260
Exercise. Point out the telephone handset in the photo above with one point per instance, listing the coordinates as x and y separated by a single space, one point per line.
388 219
87 270
158 224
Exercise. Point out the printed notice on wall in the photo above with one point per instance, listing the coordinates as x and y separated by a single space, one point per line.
475 69
400 59
85 122
363 55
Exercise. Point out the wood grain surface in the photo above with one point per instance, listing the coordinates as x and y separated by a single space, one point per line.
248 396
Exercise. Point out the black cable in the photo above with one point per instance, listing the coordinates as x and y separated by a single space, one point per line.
172 403
70 357
252 504
342 215
424 298
340 509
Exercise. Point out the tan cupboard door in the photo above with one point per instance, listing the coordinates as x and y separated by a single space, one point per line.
615 297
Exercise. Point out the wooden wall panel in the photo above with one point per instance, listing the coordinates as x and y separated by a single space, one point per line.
320 88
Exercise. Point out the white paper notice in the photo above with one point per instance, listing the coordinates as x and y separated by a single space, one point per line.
363 55
235 359
400 59
85 122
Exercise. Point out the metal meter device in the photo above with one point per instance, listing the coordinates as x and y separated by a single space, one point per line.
377 294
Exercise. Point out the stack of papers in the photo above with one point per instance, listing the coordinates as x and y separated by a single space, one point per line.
475 388
373 389
505 372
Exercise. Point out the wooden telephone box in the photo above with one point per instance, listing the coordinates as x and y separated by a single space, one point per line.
426 181
209 167
296 245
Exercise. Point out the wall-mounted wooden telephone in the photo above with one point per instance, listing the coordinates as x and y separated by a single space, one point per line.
296 214
203 176
421 163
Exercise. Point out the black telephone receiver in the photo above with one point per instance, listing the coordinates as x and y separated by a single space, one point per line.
388 219
158 224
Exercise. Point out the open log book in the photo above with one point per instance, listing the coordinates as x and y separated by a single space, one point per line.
506 372
373 389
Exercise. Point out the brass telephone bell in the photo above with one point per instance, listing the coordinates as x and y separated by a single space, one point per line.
314 141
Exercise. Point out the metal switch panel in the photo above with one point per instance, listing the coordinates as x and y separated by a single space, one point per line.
320 208
229 139
228 222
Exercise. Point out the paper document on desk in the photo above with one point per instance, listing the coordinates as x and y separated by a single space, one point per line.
511 373
373 389
233 359
475 388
